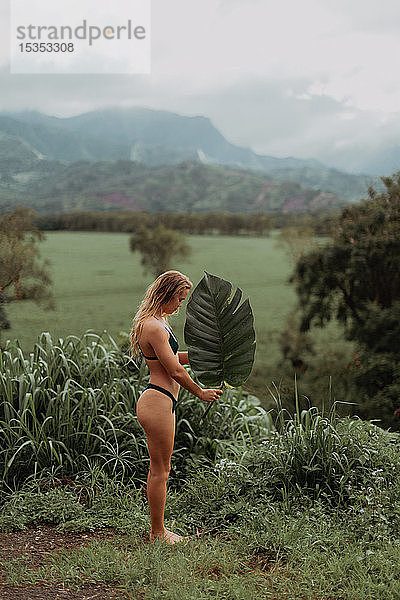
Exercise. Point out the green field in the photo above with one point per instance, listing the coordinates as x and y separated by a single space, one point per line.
98 284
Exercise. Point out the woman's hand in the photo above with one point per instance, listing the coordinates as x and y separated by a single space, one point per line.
210 395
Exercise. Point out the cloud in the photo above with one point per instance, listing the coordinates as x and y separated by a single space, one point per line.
367 15
305 78
67 95
278 118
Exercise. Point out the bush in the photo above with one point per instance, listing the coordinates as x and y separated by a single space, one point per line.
321 457
309 459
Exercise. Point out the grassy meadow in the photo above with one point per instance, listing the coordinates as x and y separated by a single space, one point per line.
98 284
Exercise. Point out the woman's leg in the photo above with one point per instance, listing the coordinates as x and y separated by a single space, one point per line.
155 416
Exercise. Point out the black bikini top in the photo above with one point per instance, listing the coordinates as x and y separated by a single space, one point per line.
173 342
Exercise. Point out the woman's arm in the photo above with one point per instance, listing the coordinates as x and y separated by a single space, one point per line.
183 358
158 339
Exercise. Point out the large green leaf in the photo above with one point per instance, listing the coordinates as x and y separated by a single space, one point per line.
219 333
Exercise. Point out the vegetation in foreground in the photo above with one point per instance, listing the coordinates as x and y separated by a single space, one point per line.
285 552
252 536
304 506
69 408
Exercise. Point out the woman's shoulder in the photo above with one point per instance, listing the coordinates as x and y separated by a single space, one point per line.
152 325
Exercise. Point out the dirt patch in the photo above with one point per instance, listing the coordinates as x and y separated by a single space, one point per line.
35 545
263 561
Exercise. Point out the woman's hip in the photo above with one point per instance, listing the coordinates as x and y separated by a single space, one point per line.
155 406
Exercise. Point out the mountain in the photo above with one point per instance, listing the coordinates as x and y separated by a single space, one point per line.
16 155
50 139
139 134
154 138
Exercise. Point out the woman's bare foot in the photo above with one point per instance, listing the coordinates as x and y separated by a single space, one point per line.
168 536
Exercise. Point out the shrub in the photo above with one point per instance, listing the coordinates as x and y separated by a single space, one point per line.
310 458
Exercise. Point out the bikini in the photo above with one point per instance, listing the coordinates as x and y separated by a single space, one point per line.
173 342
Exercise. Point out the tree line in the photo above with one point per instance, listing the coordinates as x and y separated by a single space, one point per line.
207 223
130 222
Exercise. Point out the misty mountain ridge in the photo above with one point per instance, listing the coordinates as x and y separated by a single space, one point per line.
156 138
135 130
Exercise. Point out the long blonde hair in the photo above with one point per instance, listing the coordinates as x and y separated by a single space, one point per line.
158 293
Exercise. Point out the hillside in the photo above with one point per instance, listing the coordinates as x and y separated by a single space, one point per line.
187 187
160 138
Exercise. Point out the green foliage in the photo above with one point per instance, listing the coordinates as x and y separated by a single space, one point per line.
295 345
87 505
158 247
236 422
358 268
219 333
321 457
356 280
69 407
311 458
309 511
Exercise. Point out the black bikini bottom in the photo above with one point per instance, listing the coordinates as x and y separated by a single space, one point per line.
152 386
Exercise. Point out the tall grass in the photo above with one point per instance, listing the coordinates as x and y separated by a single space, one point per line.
314 452
66 406
69 407
309 458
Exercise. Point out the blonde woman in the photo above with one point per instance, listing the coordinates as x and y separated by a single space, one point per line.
152 336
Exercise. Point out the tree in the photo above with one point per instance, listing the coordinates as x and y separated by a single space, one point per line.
158 246
4 322
297 240
22 274
355 279
295 345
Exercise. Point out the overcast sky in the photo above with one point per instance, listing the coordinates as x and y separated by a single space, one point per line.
306 78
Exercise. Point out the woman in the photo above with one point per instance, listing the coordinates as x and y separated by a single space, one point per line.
152 337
